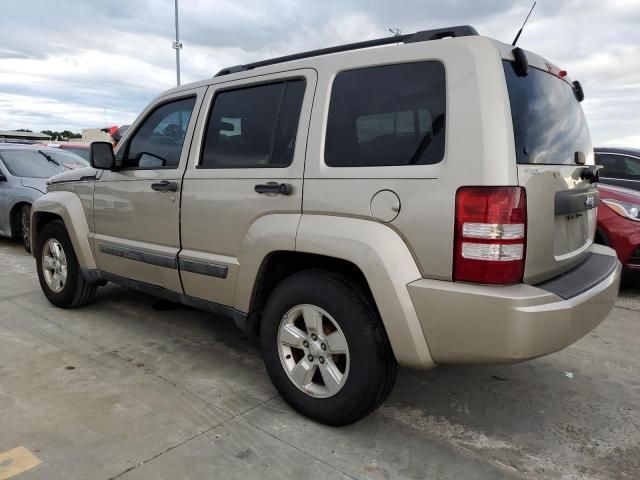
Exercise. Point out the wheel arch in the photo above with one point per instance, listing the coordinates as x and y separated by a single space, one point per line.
281 264
13 214
363 250
67 207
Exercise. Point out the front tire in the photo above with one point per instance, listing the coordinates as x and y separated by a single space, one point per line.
59 272
325 348
24 226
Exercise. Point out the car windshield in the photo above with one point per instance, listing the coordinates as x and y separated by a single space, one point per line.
40 163
548 124
81 152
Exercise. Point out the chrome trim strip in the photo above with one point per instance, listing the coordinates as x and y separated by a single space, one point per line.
619 154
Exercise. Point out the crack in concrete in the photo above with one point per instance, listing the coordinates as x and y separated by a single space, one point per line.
126 363
204 432
332 467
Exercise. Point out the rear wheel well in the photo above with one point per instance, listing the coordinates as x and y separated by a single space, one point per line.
13 216
279 265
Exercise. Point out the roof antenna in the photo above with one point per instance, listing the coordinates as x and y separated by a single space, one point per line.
396 32
515 40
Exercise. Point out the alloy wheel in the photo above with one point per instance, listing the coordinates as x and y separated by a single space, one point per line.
313 351
54 265
25 227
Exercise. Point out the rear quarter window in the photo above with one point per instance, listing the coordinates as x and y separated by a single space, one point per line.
390 115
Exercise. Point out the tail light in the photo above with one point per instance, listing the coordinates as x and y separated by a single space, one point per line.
490 235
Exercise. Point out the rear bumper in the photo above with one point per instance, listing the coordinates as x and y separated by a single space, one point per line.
465 323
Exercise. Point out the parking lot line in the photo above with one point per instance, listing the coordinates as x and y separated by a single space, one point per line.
15 461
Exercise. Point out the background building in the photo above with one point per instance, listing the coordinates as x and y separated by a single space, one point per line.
94 135
9 135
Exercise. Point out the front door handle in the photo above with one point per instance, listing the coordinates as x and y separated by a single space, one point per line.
165 186
274 187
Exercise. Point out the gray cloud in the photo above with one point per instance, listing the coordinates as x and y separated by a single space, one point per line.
115 55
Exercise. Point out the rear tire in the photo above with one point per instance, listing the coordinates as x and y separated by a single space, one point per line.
335 389
59 272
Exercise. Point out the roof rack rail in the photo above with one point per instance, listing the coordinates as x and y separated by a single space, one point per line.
422 36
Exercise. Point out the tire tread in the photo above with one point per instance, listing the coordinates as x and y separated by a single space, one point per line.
384 368
83 291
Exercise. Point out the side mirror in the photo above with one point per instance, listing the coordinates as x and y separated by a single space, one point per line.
101 155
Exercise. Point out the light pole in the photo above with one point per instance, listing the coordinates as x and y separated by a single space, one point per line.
177 45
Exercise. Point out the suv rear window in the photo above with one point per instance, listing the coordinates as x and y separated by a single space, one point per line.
548 123
386 116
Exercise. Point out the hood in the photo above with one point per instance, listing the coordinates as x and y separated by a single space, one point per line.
77 175
619 193
39 184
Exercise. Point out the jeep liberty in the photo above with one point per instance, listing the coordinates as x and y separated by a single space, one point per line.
413 200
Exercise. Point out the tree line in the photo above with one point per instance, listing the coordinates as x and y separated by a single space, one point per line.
63 135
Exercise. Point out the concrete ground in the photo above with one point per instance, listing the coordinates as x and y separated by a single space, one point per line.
120 390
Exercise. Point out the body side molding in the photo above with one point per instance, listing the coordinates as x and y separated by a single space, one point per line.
203 268
167 261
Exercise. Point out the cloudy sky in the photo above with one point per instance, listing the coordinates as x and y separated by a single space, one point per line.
67 64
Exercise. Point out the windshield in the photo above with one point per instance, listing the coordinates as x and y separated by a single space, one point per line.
548 124
40 163
81 152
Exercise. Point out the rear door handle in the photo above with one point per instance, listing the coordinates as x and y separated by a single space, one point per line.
274 187
165 186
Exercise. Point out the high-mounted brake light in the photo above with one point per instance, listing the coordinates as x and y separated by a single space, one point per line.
490 235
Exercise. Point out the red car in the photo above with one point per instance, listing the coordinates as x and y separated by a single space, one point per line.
619 223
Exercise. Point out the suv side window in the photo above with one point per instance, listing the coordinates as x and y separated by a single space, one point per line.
387 116
158 141
253 127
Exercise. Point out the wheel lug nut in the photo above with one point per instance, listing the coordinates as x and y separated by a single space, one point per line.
306 344
321 359
314 337
310 358
323 346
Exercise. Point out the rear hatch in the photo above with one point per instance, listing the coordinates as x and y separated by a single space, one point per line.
549 132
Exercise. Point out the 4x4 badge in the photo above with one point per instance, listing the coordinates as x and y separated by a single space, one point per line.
590 201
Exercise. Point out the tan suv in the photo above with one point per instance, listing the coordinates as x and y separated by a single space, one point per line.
412 200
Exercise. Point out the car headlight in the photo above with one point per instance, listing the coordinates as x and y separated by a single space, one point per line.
624 209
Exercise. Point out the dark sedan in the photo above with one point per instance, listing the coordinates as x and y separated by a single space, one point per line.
620 166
